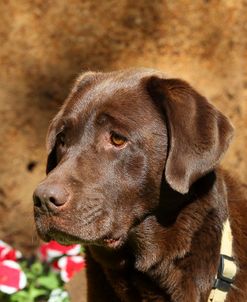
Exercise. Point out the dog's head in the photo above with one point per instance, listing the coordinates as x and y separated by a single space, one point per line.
114 141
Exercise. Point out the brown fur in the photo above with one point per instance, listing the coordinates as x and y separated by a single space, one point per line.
151 212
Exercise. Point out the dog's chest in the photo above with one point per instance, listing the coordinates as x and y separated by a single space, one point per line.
133 286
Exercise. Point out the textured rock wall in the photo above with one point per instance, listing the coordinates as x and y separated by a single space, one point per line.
45 44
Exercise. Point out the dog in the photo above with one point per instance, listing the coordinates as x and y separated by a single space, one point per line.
133 174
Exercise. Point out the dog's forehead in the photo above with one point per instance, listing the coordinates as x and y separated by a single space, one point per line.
115 91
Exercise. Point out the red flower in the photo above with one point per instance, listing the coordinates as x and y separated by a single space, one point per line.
69 265
55 266
12 277
8 253
49 251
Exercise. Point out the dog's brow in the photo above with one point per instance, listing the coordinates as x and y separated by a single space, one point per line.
117 120
65 123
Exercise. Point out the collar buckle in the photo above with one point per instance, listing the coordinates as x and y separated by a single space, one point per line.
226 273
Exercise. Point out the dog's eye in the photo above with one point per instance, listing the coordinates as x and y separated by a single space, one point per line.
117 140
61 139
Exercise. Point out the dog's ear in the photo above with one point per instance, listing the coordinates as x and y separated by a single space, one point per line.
198 133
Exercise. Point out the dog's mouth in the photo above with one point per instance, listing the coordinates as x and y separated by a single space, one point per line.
65 238
113 242
57 230
61 237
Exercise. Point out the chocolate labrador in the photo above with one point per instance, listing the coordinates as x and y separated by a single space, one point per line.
132 174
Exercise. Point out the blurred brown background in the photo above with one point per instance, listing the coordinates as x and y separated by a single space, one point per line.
46 44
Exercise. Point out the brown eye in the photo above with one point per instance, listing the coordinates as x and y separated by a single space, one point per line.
61 139
117 140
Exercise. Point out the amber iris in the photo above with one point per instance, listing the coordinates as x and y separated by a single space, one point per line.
117 139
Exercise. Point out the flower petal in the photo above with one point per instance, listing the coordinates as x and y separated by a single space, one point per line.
69 265
8 253
12 278
49 251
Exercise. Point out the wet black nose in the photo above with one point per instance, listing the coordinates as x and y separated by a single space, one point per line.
50 196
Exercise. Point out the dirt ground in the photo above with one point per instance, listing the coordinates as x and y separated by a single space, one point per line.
46 44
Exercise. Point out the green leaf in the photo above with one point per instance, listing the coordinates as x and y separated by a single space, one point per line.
50 282
4 297
23 264
37 268
30 276
66 299
36 292
20 296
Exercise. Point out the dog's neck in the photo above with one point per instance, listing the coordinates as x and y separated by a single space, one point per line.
158 244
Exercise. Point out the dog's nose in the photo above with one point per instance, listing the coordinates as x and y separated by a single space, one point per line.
50 195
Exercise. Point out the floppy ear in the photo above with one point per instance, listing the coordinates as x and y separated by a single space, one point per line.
198 133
